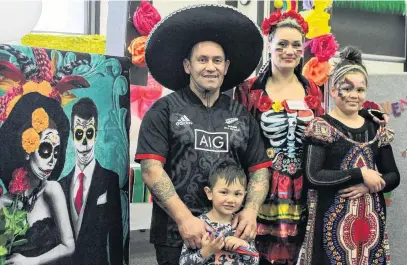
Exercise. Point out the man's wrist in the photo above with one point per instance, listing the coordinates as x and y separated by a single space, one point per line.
182 215
253 207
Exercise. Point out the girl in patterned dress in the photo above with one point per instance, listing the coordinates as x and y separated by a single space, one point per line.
350 164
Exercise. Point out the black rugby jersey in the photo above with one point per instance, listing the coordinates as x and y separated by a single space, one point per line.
191 140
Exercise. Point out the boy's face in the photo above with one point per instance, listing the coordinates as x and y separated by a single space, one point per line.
226 199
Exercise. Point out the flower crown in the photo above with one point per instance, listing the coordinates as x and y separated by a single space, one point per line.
277 16
31 137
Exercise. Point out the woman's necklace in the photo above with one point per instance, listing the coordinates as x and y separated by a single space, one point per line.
29 201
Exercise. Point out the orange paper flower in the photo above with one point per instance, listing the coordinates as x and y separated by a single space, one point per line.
137 50
316 71
30 140
43 88
40 120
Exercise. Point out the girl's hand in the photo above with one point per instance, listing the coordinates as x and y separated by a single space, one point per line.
354 192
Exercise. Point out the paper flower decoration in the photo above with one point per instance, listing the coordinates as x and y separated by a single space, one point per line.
321 5
145 17
142 97
323 47
316 71
307 4
317 23
137 50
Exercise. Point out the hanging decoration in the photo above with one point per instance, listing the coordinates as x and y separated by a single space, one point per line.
286 5
321 41
145 18
142 97
307 4
396 107
392 7
317 71
86 44
137 50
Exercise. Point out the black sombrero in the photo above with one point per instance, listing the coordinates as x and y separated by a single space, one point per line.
173 37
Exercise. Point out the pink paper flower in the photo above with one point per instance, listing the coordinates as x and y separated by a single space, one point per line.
145 18
324 47
142 97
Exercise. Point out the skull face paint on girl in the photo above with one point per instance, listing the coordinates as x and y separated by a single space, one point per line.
43 160
349 85
351 92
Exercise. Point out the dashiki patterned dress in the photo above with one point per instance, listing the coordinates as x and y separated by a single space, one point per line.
343 231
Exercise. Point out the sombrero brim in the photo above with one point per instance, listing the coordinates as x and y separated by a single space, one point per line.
172 39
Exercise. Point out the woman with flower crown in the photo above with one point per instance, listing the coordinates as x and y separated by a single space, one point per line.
284 102
33 141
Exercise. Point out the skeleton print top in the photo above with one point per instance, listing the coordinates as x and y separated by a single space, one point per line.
282 218
194 256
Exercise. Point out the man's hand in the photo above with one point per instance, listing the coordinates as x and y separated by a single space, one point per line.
245 224
245 221
354 192
232 243
192 229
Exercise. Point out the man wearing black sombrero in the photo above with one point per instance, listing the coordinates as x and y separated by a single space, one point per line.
199 52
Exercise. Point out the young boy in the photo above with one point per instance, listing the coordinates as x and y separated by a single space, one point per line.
227 189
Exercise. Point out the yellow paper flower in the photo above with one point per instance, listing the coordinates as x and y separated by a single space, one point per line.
3 251
11 104
40 120
43 88
321 5
317 23
277 106
30 140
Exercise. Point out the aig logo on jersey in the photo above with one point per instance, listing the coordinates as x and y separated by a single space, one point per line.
211 141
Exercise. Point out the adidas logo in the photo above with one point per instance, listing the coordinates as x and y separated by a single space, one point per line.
231 120
183 121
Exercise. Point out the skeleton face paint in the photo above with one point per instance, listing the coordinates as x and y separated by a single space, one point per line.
42 161
351 84
84 135
351 92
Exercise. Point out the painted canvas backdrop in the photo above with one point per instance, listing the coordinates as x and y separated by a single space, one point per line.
108 89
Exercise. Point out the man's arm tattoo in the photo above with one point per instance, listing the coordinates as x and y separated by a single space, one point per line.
162 189
257 188
149 163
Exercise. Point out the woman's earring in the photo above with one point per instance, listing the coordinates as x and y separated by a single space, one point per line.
27 156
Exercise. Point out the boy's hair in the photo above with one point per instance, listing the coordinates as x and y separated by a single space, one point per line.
228 171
